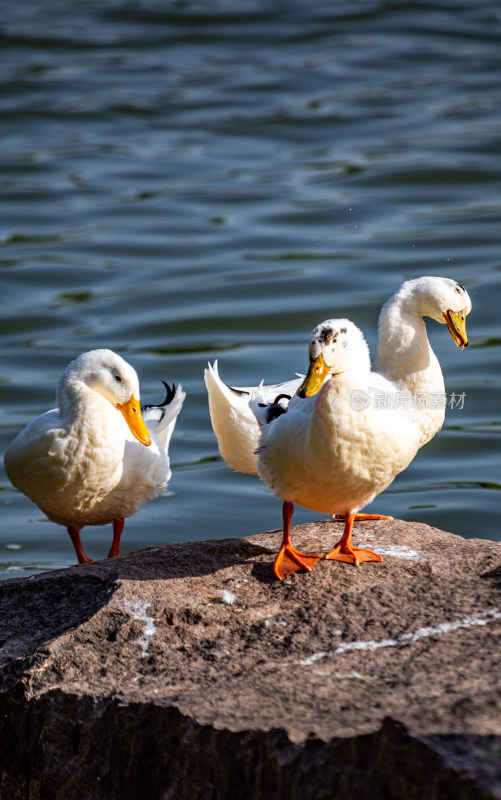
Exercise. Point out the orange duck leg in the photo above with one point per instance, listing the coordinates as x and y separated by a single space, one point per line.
74 534
289 559
118 526
345 551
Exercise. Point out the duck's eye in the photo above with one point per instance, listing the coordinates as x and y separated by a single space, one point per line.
118 379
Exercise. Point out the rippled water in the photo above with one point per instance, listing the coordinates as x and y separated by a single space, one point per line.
188 181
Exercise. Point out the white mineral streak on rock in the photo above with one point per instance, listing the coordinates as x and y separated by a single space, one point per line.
401 551
482 618
138 609
227 597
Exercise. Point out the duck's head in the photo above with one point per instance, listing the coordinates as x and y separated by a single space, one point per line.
106 373
336 346
443 300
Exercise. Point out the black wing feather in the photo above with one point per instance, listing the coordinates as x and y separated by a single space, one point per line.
169 397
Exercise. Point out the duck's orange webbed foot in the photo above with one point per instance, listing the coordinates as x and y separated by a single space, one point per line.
345 551
290 560
351 554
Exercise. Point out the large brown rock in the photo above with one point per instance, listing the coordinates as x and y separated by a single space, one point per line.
188 671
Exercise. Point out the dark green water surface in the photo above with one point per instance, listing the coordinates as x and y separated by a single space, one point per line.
184 181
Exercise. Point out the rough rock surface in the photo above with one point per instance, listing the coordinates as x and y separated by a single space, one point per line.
188 671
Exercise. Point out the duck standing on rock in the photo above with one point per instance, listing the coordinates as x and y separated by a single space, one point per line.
95 459
329 453
405 362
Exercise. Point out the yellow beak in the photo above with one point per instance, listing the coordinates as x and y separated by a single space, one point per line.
456 325
134 419
317 373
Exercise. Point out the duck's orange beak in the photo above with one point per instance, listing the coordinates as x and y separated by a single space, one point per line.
317 372
131 411
456 325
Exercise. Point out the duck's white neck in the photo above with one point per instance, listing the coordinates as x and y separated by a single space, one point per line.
76 401
404 353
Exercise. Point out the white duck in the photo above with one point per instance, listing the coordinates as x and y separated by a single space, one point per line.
92 460
325 452
405 363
